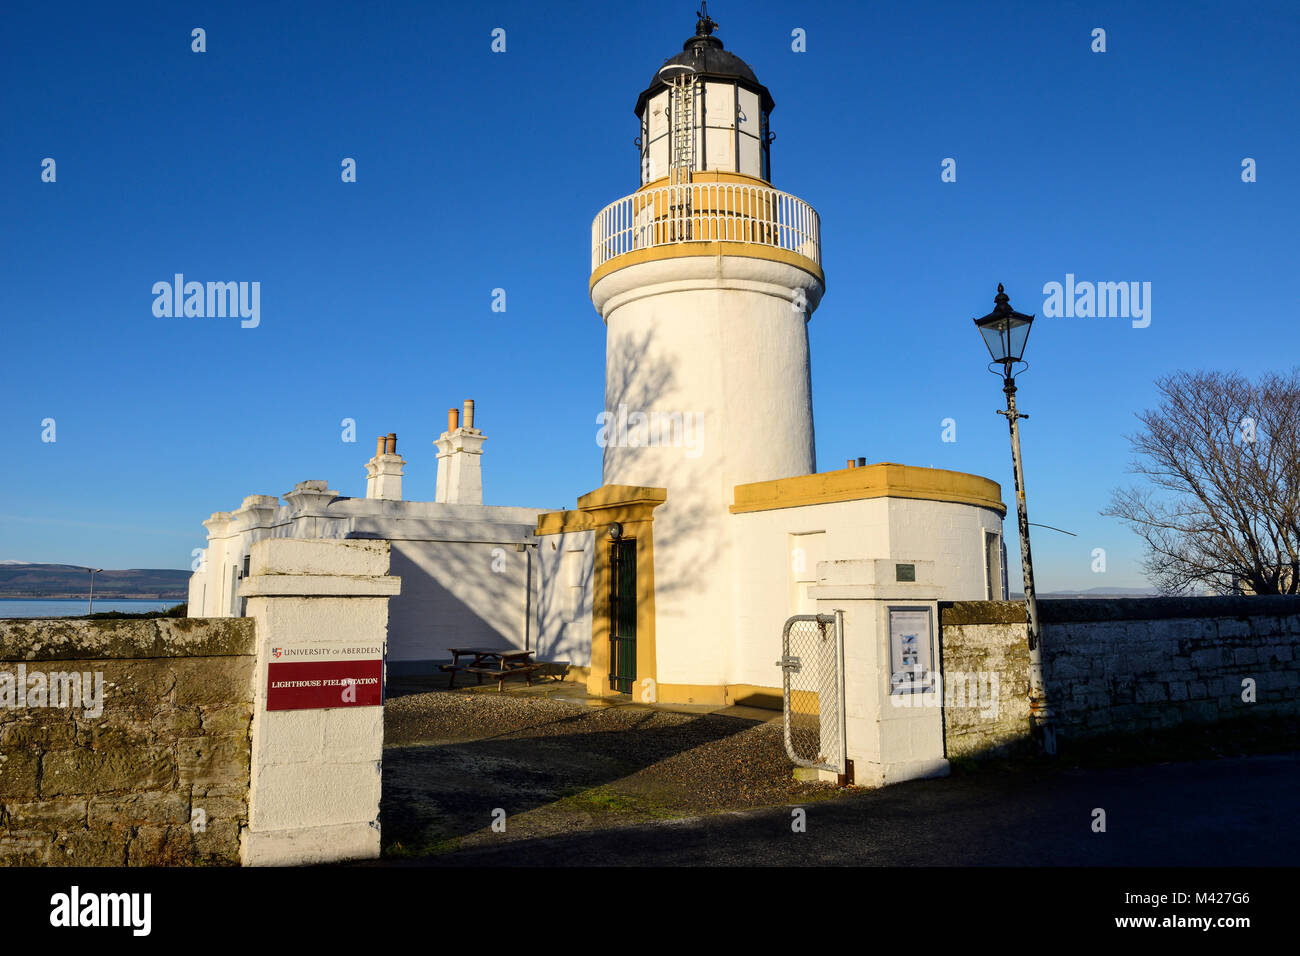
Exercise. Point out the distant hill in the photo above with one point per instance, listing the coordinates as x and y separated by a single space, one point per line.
1101 592
54 581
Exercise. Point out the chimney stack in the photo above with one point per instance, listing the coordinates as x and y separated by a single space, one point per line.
384 471
460 465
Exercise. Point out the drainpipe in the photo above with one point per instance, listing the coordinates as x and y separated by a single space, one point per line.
526 547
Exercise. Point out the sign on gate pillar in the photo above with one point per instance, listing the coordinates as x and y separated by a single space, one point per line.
317 676
321 608
893 697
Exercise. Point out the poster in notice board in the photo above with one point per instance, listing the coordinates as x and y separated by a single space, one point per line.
911 650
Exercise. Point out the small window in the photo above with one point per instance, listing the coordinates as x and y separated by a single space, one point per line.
244 574
993 567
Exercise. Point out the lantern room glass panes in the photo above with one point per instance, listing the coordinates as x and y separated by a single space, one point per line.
729 130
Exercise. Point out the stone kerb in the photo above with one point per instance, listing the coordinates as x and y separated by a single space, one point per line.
315 787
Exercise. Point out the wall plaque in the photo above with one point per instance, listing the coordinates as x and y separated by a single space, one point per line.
320 676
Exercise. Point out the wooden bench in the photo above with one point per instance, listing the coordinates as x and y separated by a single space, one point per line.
500 663
452 669
487 660
501 673
555 670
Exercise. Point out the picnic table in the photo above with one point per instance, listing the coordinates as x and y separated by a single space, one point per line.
498 662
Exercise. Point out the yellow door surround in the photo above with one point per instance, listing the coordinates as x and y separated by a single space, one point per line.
631 506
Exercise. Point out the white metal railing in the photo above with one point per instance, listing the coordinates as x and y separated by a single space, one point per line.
705 212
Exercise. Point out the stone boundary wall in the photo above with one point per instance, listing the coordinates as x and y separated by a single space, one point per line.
1125 665
985 637
154 770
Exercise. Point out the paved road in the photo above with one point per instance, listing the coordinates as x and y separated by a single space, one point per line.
1230 812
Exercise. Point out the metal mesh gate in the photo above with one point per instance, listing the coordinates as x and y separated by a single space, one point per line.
812 660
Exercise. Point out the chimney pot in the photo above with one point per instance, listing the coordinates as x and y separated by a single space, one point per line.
851 464
379 449
469 413
453 419
862 463
391 443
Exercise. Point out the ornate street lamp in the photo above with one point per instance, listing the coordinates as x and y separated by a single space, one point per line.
1005 332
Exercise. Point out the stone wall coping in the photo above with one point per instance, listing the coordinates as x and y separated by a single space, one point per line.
1082 610
1078 610
320 585
65 639
318 557
957 613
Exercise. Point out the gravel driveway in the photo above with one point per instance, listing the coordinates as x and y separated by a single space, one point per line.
456 761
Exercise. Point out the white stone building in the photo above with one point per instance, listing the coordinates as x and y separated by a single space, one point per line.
673 579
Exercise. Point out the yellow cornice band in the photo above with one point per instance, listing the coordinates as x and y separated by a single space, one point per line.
884 480
681 250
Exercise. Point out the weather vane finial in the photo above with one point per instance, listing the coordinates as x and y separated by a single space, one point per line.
705 25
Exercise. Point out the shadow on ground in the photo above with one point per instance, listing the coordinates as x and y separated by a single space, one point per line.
455 763
1215 813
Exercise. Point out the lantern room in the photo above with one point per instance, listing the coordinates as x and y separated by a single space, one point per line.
704 110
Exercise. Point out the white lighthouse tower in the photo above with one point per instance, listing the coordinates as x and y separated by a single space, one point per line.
706 278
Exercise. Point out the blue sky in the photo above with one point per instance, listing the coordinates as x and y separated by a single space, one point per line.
479 171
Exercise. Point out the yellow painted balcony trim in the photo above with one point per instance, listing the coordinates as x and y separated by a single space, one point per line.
679 250
884 480
711 176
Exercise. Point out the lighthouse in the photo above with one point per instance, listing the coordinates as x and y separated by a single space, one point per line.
705 278
712 528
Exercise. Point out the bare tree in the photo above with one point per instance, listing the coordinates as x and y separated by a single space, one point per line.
1223 455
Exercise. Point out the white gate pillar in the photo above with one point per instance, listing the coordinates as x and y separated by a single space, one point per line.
321 608
893 695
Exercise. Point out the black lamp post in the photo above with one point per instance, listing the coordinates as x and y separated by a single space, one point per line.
1005 332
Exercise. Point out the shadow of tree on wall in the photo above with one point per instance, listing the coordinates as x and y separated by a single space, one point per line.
439 791
693 521
641 381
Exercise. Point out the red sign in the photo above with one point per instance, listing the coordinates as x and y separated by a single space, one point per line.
332 679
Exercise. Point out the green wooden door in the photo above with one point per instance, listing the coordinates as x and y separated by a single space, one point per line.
622 616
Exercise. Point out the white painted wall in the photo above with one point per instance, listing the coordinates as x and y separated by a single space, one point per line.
719 340
464 578
565 570
772 582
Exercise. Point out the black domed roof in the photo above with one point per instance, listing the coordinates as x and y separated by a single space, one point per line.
704 52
